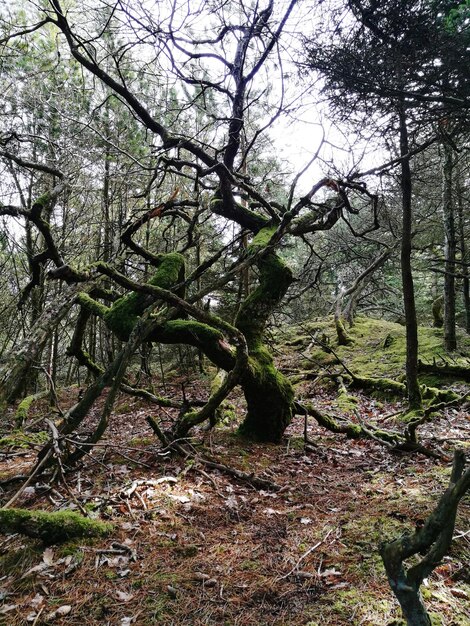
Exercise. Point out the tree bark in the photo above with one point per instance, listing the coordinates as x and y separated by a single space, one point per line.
15 368
414 394
268 393
450 339
432 541
463 253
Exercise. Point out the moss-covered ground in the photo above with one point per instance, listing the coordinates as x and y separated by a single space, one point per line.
193 546
379 347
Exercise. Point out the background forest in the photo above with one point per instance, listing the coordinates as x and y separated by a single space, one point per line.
235 312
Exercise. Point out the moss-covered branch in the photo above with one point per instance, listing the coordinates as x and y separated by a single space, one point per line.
392 440
51 528
218 395
23 408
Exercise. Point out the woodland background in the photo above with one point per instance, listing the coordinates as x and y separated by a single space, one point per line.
235 312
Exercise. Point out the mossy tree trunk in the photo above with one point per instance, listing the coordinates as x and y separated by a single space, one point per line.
269 395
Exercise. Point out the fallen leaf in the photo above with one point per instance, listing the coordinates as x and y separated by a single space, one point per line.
459 593
60 612
37 601
182 499
122 596
330 572
48 556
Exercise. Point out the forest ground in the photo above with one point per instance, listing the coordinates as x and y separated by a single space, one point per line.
194 546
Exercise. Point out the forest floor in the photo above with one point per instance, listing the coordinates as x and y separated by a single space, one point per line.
194 546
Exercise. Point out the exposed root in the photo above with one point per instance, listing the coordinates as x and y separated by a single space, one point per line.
391 439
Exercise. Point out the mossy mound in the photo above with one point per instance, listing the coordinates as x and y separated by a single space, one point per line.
51 528
378 349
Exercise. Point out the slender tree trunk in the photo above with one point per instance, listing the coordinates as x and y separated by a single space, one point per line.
16 367
464 257
450 338
414 394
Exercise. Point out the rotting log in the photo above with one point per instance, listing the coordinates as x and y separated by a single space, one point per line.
453 371
51 528
432 541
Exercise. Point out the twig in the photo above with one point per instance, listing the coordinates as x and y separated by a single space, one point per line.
29 480
305 555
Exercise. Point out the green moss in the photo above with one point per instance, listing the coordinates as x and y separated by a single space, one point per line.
369 337
346 402
51 527
208 339
269 396
122 317
19 439
23 410
344 339
92 305
411 416
42 201
262 238
366 608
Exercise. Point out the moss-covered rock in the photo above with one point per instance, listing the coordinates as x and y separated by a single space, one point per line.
51 528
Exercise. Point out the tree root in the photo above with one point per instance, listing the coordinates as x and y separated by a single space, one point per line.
392 440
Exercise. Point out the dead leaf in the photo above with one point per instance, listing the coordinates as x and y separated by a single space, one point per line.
459 593
36 569
122 596
37 601
60 612
48 556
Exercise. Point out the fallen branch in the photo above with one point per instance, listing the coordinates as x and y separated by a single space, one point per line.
434 408
455 371
259 483
305 555
391 439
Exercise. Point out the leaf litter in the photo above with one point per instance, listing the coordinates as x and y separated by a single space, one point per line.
197 546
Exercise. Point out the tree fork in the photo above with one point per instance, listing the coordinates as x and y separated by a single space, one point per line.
432 541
